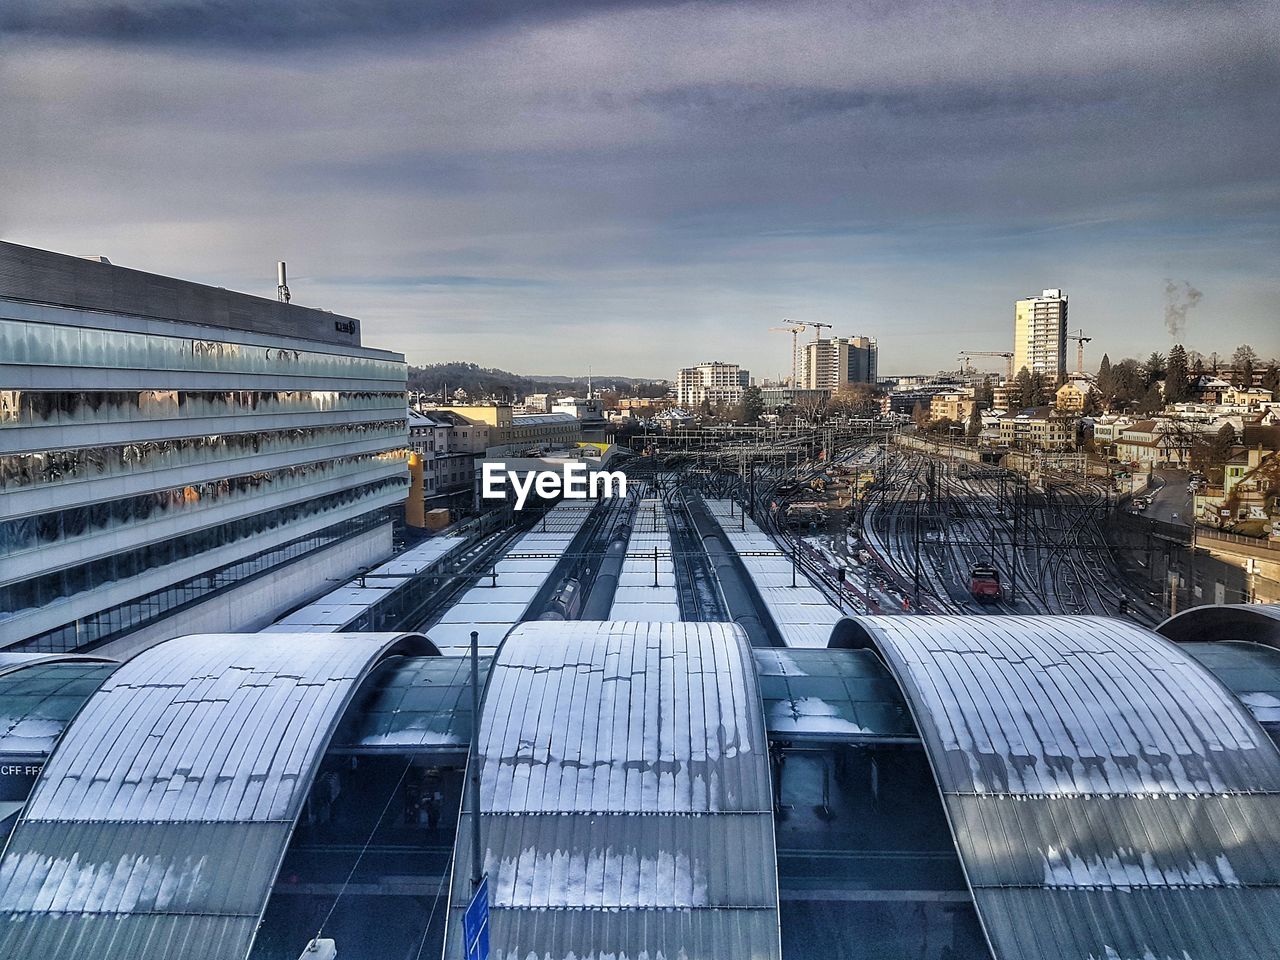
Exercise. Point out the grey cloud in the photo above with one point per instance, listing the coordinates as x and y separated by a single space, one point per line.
276 23
687 169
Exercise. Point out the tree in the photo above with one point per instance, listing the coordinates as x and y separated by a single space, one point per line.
1153 369
809 407
1127 385
919 416
854 400
1176 375
984 396
1039 390
1243 361
1105 383
1271 379
974 430
1022 394
1211 456
1152 401
752 405
1092 403
942 426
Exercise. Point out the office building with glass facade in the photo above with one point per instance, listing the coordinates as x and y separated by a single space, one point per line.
177 458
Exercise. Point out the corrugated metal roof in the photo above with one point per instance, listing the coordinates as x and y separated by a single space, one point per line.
342 605
158 823
836 695
624 784
636 597
490 608
1251 671
411 704
1109 798
36 704
803 614
12 660
1250 622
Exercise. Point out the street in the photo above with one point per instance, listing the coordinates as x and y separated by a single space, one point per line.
1169 496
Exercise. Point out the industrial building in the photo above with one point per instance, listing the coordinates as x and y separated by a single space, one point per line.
168 447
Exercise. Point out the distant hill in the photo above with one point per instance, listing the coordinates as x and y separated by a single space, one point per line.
481 381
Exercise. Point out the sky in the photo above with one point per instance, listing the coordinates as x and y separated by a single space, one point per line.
633 187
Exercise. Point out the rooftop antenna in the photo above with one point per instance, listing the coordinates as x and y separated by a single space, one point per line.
282 285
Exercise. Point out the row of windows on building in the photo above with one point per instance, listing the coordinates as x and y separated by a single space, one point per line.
56 466
38 408
40 591
60 526
121 618
26 342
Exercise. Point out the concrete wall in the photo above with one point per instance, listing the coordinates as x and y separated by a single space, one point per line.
253 605
941 448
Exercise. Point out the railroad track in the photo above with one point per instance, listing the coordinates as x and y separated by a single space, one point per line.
1051 544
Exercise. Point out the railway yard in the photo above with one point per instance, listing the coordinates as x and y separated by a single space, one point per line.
777 538
872 528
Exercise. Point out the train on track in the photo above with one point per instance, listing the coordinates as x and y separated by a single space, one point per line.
984 583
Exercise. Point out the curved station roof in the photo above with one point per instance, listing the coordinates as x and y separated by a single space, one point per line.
158 824
625 796
1108 796
1111 793
1246 622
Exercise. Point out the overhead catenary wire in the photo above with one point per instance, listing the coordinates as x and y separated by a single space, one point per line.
365 847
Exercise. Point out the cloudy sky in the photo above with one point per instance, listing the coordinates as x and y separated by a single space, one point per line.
550 184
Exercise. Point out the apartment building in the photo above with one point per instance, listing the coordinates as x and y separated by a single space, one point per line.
955 405
448 445
713 382
1040 334
830 364
167 446
1038 428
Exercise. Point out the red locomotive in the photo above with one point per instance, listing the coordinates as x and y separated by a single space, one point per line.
984 583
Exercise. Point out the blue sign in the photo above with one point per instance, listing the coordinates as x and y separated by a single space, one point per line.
475 924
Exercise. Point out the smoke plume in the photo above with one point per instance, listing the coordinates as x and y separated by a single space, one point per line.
1178 299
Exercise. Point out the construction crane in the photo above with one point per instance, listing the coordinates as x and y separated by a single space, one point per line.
795 329
817 328
1080 340
1008 359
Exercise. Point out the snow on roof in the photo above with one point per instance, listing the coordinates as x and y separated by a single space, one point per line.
803 614
625 792
1100 784
165 809
494 605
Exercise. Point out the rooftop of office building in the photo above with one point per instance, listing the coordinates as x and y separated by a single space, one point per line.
95 284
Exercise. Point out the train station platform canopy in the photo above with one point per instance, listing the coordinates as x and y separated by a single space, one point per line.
1108 796
1247 622
159 822
625 796
1240 643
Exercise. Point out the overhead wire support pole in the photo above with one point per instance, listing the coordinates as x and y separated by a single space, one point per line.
477 873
